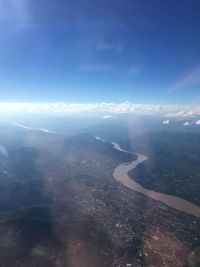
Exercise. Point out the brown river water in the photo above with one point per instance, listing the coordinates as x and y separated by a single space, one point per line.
121 175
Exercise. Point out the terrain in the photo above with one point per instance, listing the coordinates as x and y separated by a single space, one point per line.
61 206
173 164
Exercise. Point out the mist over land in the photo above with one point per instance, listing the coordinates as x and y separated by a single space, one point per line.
62 206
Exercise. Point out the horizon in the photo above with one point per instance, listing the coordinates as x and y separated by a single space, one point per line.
99 133
112 107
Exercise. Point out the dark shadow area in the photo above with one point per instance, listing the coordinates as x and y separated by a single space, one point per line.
28 236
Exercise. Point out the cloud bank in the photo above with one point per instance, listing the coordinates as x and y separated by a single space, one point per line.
108 108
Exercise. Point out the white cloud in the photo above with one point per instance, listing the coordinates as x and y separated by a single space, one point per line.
109 108
183 113
22 126
107 117
100 139
34 129
197 122
166 122
187 123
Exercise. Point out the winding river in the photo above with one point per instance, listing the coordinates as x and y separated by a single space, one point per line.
121 175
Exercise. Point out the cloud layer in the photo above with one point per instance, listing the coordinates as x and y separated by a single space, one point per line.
170 111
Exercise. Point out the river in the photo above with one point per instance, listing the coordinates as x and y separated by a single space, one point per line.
120 174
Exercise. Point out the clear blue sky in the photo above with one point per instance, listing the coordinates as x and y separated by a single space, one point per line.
100 50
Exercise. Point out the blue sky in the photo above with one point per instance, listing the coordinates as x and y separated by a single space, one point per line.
95 51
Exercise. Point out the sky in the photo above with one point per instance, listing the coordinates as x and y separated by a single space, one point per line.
86 51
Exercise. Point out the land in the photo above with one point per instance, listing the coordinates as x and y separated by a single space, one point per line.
173 166
60 206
